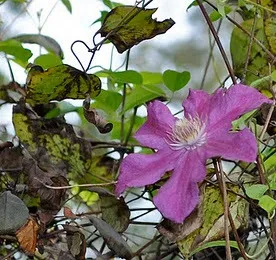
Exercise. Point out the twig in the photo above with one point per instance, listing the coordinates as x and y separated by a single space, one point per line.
213 30
236 235
123 103
249 48
220 177
209 59
77 185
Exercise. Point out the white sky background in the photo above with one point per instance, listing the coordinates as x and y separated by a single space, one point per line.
66 28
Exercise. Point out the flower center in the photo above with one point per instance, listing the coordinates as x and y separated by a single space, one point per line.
188 134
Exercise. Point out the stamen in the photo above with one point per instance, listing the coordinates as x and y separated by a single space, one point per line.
187 134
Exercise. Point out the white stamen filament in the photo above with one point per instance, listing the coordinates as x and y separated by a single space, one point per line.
188 134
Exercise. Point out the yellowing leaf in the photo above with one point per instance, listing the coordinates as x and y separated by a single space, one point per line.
58 83
126 26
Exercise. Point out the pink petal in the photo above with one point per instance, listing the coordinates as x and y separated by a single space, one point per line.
155 130
142 169
180 194
240 145
197 102
228 105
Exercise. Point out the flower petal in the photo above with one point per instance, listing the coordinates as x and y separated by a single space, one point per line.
142 169
240 145
180 194
197 103
155 130
228 105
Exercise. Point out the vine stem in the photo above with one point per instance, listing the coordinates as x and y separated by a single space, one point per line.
123 102
220 177
213 30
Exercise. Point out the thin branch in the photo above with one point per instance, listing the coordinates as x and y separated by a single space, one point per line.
220 177
77 185
209 59
213 30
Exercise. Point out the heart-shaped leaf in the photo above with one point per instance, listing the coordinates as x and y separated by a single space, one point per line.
176 80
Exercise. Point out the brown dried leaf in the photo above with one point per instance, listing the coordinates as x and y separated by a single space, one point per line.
93 117
27 236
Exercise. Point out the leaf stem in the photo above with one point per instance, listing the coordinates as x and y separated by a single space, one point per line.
213 30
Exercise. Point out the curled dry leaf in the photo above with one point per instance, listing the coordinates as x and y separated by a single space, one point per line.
93 117
75 241
27 236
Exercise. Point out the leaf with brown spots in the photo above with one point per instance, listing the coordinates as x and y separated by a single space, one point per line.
126 26
58 83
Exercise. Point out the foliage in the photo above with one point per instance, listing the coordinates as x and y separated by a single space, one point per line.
58 179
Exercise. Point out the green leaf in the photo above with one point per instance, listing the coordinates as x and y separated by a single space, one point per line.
194 3
272 181
142 94
267 203
109 101
13 213
126 26
15 48
67 5
258 59
89 197
128 76
215 15
256 191
273 75
233 244
176 80
101 19
151 78
58 83
61 109
48 60
111 4
46 42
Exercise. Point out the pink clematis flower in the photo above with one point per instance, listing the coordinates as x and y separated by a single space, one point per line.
184 145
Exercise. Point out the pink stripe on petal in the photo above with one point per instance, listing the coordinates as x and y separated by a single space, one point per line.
197 103
240 145
180 194
155 130
138 170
